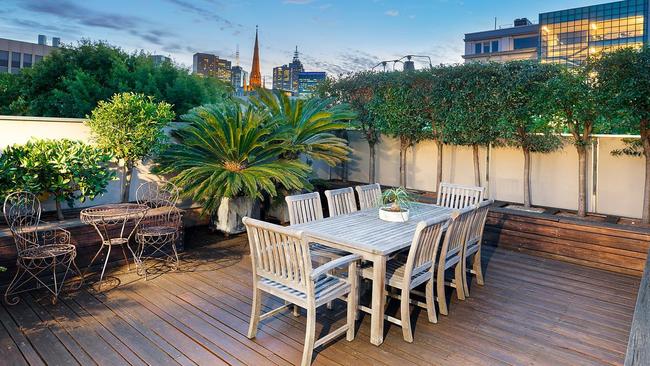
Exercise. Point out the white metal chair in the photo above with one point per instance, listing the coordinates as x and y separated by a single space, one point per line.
282 267
405 274
369 195
473 244
45 254
451 256
458 196
341 201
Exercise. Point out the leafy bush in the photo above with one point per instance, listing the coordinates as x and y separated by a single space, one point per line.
63 169
130 126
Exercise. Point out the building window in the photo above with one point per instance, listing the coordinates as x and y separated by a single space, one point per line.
477 48
526 42
495 46
4 61
486 47
27 60
15 62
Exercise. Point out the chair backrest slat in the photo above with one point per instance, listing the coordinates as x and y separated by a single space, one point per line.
475 231
304 208
341 201
455 237
22 211
369 195
458 196
279 254
424 246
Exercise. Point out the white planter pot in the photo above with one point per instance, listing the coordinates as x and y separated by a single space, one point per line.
232 210
392 216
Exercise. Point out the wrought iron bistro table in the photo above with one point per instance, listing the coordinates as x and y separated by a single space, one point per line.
105 219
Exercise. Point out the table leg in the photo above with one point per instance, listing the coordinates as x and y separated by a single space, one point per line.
378 300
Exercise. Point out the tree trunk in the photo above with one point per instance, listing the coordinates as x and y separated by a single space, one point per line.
582 180
402 162
371 172
526 178
127 173
439 145
477 169
59 211
645 136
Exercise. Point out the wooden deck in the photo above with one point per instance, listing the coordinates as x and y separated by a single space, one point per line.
531 311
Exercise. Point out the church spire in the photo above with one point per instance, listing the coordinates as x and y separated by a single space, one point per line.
256 75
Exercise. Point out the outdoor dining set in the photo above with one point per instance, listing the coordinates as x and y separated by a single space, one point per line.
47 249
316 260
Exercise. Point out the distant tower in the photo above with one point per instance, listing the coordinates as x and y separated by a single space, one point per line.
237 56
256 75
295 55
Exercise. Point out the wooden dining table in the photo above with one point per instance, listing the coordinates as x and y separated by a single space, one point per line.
375 240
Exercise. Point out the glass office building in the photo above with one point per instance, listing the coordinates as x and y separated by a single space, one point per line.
571 36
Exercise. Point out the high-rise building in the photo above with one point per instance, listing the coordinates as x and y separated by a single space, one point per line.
566 36
571 36
42 39
256 74
159 59
17 55
56 41
285 77
308 81
207 64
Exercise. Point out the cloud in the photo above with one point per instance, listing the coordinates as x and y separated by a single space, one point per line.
208 15
85 16
392 13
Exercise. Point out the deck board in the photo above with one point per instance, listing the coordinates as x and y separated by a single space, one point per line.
532 311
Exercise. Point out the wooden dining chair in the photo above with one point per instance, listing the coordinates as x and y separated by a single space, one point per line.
282 267
459 196
473 244
451 255
369 195
405 274
341 201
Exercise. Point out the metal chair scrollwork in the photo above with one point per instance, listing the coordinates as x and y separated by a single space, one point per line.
162 228
45 254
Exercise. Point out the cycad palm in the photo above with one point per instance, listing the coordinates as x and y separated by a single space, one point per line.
308 125
227 151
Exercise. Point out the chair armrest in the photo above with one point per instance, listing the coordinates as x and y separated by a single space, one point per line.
339 262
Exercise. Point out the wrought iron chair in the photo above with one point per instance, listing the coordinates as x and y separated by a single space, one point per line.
369 195
41 248
282 267
473 244
161 229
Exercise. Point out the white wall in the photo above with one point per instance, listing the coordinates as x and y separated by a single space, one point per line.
18 130
554 177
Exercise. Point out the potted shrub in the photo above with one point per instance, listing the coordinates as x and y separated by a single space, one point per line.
396 205
227 158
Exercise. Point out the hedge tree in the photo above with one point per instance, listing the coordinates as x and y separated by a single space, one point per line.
623 77
130 126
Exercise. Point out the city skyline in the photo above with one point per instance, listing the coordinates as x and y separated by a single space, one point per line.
334 36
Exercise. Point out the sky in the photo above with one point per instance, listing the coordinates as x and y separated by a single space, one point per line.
336 36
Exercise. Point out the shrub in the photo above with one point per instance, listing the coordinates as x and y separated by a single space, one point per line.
64 170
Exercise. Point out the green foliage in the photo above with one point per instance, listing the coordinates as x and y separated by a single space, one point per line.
527 117
473 117
63 169
227 151
308 126
633 147
73 79
130 125
398 198
11 99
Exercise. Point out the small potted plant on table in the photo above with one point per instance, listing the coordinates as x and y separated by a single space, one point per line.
396 204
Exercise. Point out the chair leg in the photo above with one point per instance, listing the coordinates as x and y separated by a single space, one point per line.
255 312
464 276
459 280
310 333
442 296
431 303
81 275
15 282
353 298
478 269
405 315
